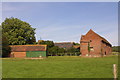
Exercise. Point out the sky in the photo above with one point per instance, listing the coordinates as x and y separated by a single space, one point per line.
66 21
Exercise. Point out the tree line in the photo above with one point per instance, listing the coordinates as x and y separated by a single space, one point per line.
116 48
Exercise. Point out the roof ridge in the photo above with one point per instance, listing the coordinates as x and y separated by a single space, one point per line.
28 45
98 35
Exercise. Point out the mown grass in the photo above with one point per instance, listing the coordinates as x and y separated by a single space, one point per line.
60 67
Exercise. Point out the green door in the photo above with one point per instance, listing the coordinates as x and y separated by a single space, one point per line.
36 54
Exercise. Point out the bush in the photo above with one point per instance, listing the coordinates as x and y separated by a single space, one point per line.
116 48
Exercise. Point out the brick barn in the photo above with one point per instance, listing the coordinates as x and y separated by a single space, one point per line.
94 45
30 51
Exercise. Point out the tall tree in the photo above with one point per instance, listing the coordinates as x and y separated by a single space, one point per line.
18 32
5 47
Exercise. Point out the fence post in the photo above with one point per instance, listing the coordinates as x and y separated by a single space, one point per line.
115 71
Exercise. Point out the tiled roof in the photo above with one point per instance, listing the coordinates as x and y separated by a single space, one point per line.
76 46
65 45
23 48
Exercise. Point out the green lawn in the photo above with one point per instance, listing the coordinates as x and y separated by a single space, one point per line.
60 67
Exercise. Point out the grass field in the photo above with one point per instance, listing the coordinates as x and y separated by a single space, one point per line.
60 67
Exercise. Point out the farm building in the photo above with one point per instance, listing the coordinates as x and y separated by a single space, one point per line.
65 45
94 45
29 51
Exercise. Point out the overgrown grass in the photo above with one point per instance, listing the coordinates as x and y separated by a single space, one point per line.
60 67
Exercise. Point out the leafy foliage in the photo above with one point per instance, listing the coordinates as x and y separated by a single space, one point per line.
18 32
116 48
55 50
76 43
5 47
72 50
88 47
48 43
0 41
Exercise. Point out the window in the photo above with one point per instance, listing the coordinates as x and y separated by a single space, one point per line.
91 49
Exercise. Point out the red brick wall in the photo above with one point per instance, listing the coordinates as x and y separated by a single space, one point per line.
106 49
18 54
84 48
96 46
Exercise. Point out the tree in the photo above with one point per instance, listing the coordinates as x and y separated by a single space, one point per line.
54 50
61 50
116 48
18 32
5 47
50 46
48 43
0 41
73 51
76 43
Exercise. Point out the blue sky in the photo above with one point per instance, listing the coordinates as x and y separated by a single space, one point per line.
66 21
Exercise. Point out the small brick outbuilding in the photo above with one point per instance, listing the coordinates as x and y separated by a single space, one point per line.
30 51
94 45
